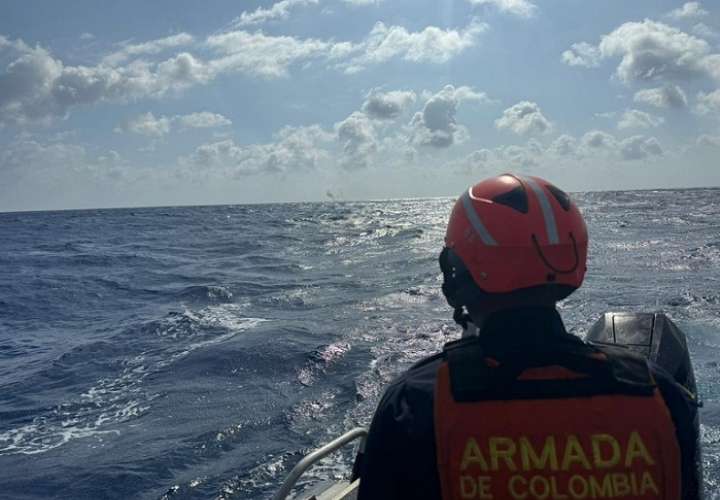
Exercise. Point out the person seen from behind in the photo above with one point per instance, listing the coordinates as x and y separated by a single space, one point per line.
518 408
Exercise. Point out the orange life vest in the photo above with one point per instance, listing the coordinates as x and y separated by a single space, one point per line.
568 425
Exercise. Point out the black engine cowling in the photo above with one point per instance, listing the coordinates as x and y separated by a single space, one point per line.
653 335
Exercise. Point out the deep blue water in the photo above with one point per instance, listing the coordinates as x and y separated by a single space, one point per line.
199 352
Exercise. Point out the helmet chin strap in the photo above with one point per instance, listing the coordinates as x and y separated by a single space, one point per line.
471 325
471 330
463 319
547 262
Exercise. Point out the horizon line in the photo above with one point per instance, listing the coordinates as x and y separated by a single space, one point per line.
329 200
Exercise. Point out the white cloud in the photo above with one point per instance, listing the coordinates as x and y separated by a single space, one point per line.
271 56
262 55
432 44
523 157
363 2
294 149
479 157
521 8
225 154
593 147
150 126
597 139
278 11
634 118
152 47
639 147
709 141
26 85
524 118
465 93
564 145
517 156
582 54
668 96
480 160
110 158
436 125
708 103
181 71
712 64
650 51
705 31
36 87
87 36
535 147
50 161
357 138
606 114
26 156
653 51
387 105
203 119
691 10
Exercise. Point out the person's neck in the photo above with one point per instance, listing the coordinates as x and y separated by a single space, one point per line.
517 326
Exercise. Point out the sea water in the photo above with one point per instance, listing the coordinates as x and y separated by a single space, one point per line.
199 352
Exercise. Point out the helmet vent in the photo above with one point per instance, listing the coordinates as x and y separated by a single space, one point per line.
560 196
516 199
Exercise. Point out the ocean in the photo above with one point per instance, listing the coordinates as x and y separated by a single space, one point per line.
199 352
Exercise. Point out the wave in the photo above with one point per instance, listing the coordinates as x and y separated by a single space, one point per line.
117 399
320 360
217 349
416 295
296 299
199 293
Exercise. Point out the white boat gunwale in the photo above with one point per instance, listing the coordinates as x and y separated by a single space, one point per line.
309 460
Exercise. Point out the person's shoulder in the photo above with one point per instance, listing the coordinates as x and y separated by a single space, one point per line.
422 370
406 407
427 364
416 384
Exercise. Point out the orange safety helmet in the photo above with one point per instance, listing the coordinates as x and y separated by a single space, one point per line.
512 233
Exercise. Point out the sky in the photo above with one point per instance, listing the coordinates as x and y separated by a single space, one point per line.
179 102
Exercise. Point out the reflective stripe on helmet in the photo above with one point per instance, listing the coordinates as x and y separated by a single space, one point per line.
474 219
498 242
547 211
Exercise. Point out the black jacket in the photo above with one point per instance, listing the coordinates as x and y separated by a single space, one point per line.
400 461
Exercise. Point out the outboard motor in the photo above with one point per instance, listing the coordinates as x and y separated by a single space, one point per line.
653 335
656 337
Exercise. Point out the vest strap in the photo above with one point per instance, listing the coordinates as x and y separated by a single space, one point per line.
476 377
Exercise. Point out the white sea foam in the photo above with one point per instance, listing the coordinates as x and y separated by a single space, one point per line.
322 359
111 401
710 436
